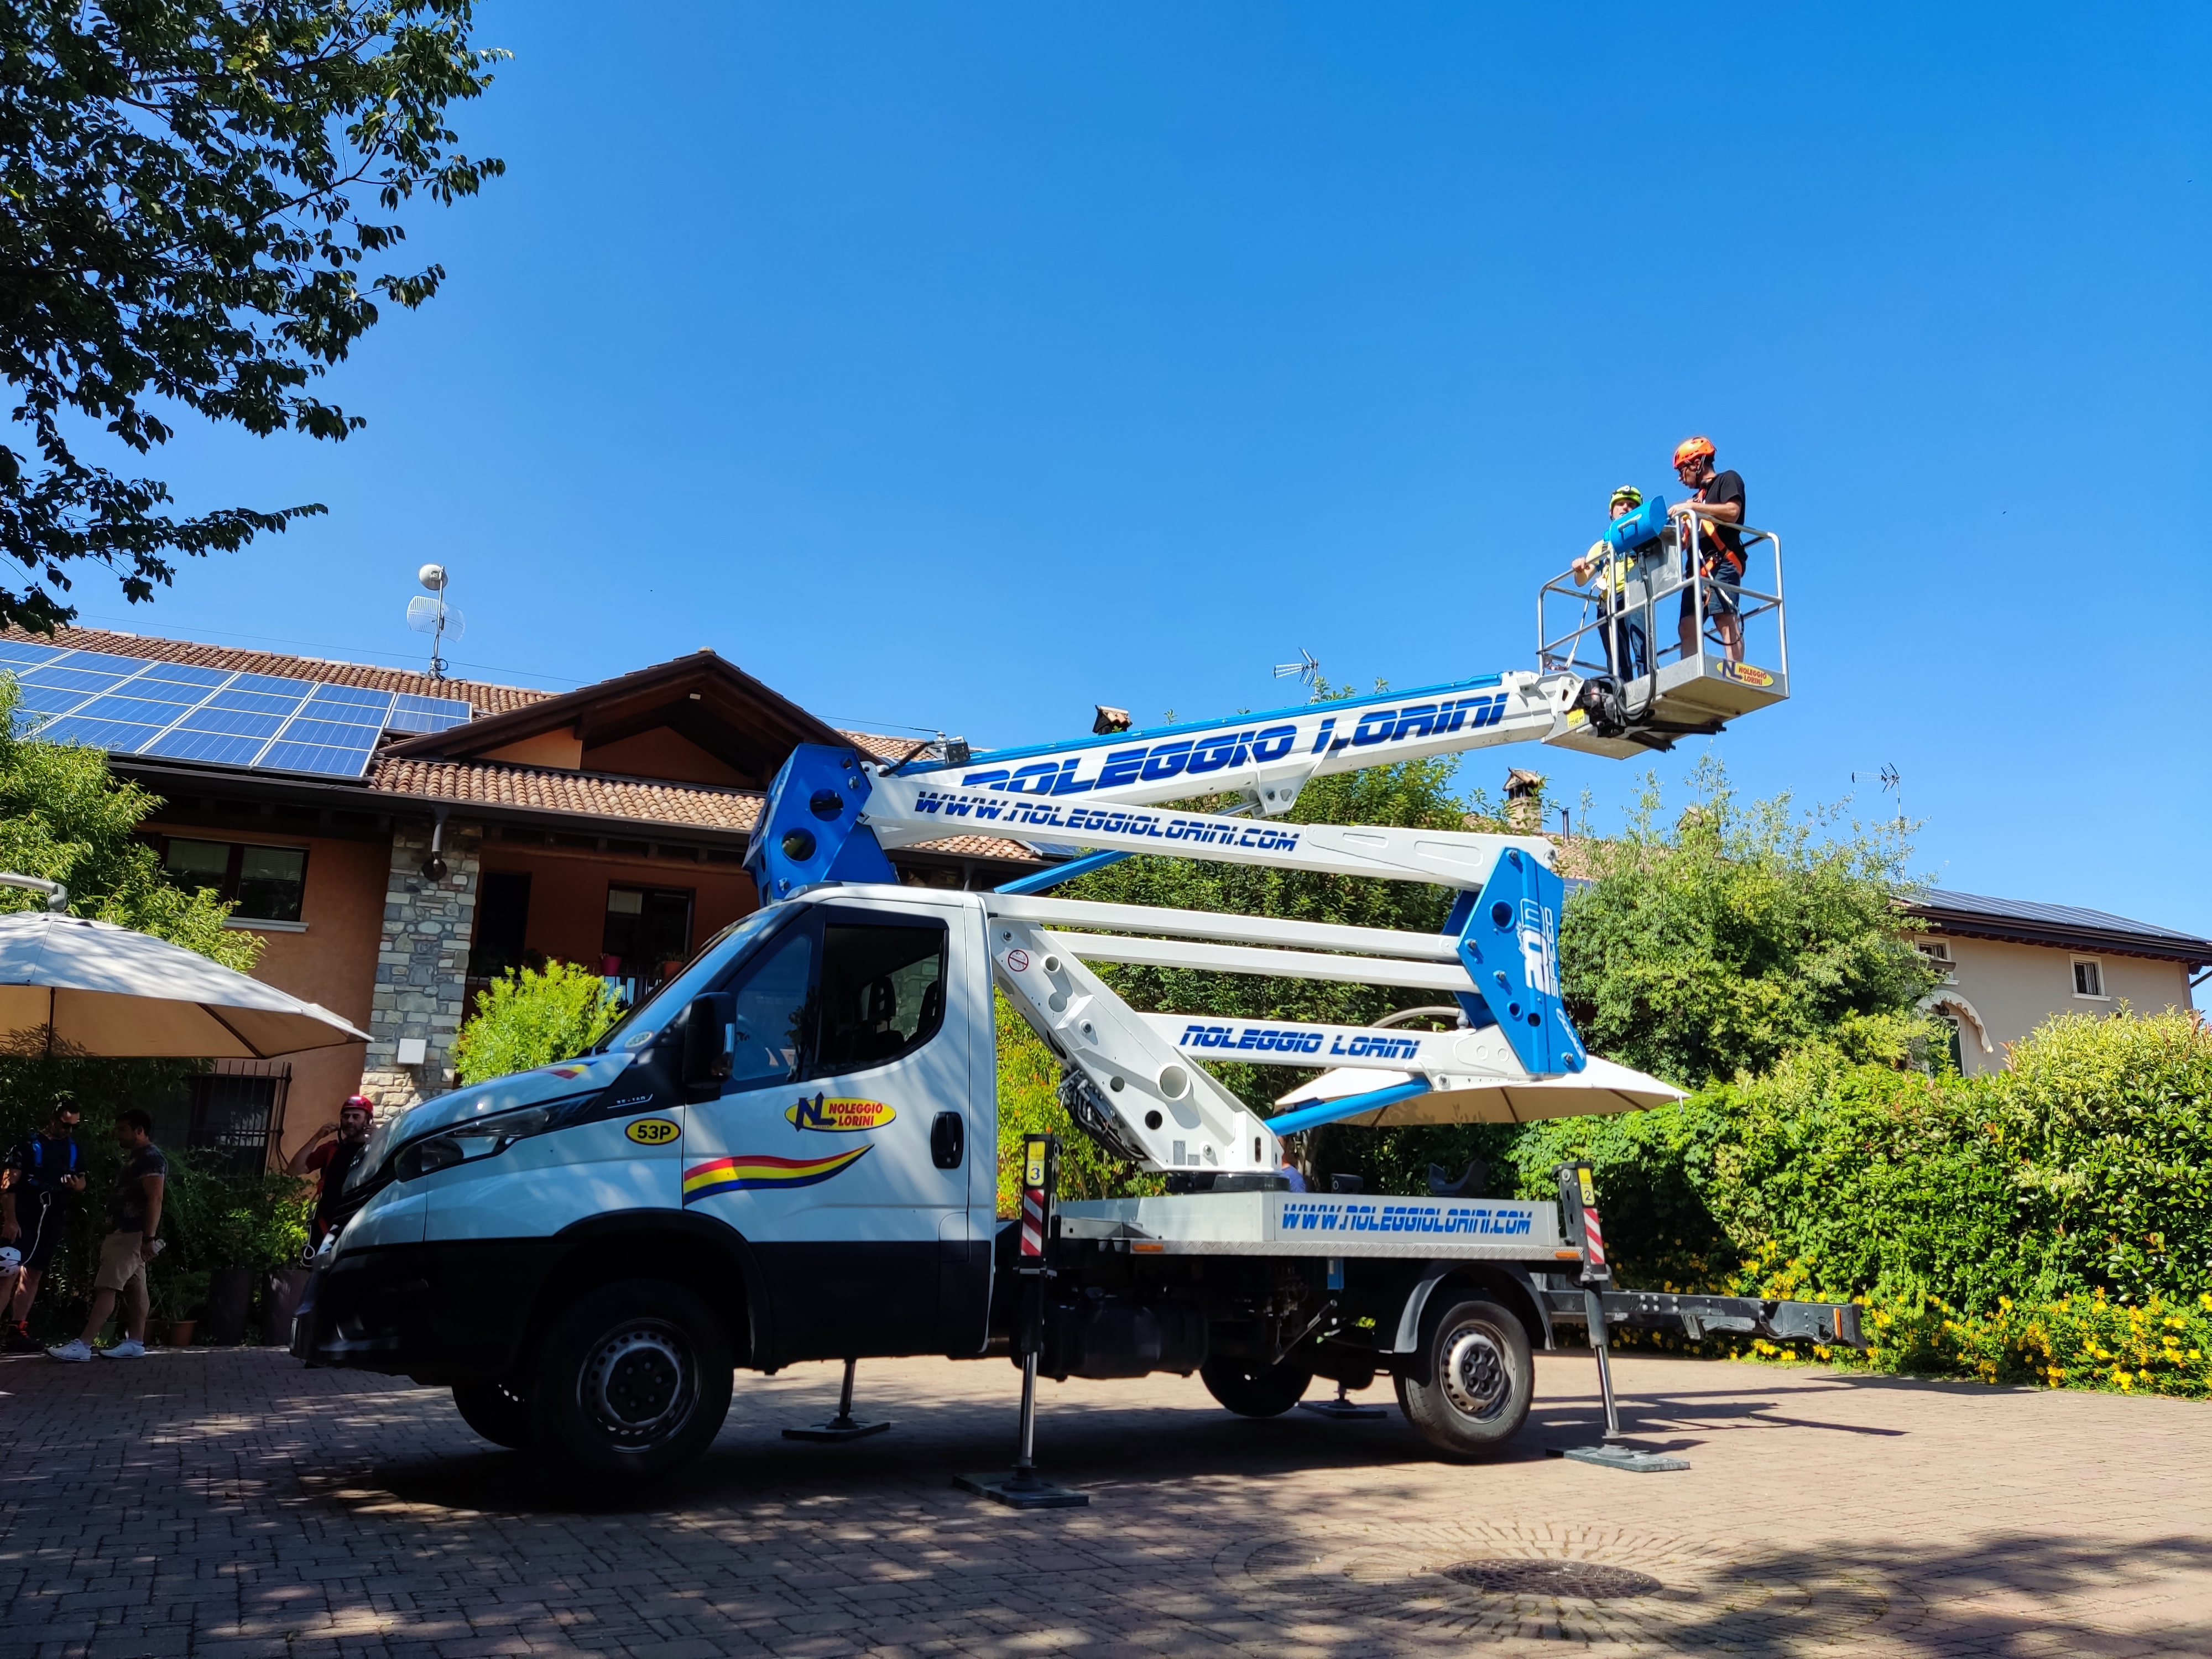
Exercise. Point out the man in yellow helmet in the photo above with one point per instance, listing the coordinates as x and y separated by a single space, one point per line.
1619 594
1715 504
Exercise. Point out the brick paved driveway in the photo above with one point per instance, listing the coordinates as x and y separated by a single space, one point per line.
233 1504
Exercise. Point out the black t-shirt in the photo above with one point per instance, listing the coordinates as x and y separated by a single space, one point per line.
126 1200
336 1161
1720 488
40 1162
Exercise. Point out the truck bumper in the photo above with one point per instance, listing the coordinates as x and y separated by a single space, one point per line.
439 1313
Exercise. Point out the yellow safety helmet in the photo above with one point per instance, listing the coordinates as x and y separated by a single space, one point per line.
1628 493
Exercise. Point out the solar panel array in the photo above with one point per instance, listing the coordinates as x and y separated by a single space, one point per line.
128 706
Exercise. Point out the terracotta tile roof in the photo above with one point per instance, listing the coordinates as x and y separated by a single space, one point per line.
591 794
634 800
484 699
979 847
877 747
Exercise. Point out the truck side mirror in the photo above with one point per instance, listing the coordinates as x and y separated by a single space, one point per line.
706 1044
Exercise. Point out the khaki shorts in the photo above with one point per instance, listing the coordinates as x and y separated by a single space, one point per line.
119 1261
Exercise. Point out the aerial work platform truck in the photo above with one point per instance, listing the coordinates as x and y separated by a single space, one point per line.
788 1152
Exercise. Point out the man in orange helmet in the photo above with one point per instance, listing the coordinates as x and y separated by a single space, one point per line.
1717 498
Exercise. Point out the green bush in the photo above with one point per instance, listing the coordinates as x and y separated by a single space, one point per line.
534 1017
2050 1209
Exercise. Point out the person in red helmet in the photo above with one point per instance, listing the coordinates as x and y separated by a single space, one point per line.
1716 504
330 1155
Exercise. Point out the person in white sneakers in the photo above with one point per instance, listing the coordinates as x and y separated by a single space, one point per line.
134 1216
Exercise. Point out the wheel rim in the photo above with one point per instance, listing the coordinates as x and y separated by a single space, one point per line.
1477 1379
638 1385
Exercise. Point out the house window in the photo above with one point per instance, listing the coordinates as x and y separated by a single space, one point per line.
265 883
2089 978
502 924
1936 953
648 932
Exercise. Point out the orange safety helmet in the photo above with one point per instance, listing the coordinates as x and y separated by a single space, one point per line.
1691 448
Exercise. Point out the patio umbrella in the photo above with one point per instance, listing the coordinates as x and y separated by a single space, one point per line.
88 987
1600 1087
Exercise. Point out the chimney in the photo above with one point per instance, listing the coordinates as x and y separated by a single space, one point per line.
1524 802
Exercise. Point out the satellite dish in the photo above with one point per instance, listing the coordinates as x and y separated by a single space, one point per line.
435 616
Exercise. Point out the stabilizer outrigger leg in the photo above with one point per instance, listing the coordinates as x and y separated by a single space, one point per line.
842 1426
1578 1209
1023 1487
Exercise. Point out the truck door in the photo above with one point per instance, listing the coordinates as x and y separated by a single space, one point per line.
825 1149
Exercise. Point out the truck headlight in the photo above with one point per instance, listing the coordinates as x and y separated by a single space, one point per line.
464 1143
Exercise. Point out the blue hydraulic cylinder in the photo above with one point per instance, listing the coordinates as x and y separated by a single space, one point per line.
810 829
1509 943
1331 1111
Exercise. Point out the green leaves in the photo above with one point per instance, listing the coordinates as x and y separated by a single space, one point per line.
1717 944
180 187
533 1017
2085 1167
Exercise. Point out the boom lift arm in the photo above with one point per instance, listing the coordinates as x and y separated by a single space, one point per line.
832 815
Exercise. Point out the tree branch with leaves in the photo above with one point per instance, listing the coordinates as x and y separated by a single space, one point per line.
197 211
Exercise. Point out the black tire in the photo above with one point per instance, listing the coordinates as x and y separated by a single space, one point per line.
632 1381
1476 1379
497 1411
1266 1392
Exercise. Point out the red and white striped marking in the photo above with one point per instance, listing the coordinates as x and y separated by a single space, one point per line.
1593 1238
1032 1222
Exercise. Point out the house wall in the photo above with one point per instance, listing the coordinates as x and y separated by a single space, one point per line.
2015 987
332 962
665 753
568 892
422 952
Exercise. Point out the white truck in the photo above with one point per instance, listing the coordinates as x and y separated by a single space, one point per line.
788 1152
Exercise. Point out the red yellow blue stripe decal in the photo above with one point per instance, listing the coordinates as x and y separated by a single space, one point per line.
757 1171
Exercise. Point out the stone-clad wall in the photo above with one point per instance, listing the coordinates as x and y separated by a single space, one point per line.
422 963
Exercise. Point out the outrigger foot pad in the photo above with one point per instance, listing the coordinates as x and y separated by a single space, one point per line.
843 1426
1022 1489
1619 1457
838 1428
1344 1408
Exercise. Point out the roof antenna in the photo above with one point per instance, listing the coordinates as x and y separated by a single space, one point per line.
1307 668
434 617
1889 778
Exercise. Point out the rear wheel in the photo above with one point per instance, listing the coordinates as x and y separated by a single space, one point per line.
1250 1391
497 1411
1476 1379
632 1382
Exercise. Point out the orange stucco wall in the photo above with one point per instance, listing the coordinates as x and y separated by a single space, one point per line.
333 962
568 893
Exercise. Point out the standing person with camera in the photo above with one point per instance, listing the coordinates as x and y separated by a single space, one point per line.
134 1216
329 1157
41 1174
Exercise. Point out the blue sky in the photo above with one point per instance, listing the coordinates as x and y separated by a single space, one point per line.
960 366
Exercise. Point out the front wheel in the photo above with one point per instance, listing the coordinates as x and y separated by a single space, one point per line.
1264 1392
497 1411
1476 1380
633 1381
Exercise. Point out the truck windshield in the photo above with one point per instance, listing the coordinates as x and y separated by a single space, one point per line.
642 1024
